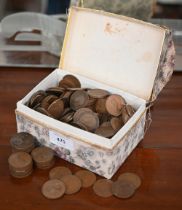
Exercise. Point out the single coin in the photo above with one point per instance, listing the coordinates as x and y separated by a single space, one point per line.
72 183
87 178
71 81
43 111
78 99
55 90
130 110
114 104
20 161
58 172
123 189
105 131
79 112
102 188
56 108
42 154
124 115
36 98
97 93
53 189
79 125
100 105
47 101
67 117
131 177
106 124
116 123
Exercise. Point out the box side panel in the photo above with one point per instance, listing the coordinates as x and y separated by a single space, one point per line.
99 160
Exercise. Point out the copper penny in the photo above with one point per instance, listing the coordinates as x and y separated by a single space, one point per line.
79 112
58 172
131 177
97 93
114 104
130 110
123 189
47 101
78 99
53 189
36 98
116 123
102 188
56 108
70 81
105 131
72 183
43 111
87 178
100 105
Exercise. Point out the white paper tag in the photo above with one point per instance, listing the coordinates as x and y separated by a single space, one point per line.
61 140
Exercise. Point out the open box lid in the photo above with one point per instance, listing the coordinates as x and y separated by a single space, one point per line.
116 50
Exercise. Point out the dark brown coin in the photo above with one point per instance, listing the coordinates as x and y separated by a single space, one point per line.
79 125
47 101
116 123
55 90
102 188
78 99
56 108
87 178
53 189
59 172
105 131
123 189
131 177
100 105
43 156
43 111
72 183
22 142
114 104
67 117
97 93
70 81
36 98
20 161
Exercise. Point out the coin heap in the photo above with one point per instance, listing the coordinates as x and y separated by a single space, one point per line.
93 110
43 157
23 142
20 164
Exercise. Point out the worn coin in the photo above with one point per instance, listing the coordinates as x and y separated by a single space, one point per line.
87 178
105 131
97 93
72 184
70 81
53 189
114 104
47 101
130 110
131 177
116 123
56 108
125 116
79 112
102 188
123 189
100 106
78 99
36 98
58 172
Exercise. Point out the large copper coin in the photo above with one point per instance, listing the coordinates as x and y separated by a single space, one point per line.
70 81
105 131
53 189
78 99
97 93
56 108
20 161
114 104
47 101
100 105
131 177
102 188
116 123
58 172
123 189
72 183
87 178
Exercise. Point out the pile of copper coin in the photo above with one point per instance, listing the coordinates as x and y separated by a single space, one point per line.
25 153
94 110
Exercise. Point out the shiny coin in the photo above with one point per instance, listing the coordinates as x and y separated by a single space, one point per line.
123 189
78 99
87 178
56 108
59 172
105 131
53 189
116 123
72 183
102 188
131 177
97 93
114 104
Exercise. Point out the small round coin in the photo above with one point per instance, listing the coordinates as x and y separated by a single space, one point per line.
131 177
102 188
59 172
78 99
123 189
72 184
53 189
88 178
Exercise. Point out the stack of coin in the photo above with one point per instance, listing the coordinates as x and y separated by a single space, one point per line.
43 157
94 110
22 141
20 164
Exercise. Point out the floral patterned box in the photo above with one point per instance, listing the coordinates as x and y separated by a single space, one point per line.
116 53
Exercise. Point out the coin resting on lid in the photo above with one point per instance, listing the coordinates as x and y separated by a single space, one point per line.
84 108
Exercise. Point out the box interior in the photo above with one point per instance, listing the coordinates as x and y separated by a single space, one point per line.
73 132
119 51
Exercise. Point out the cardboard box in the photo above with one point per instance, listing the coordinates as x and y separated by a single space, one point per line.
116 53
